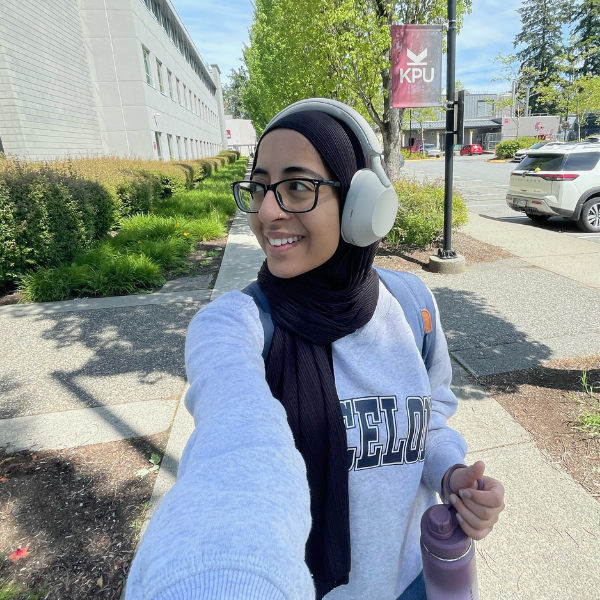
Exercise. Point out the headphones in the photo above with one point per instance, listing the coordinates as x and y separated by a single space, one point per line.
372 203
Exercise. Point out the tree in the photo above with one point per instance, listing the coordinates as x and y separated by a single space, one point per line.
542 36
586 17
578 96
233 92
513 74
337 49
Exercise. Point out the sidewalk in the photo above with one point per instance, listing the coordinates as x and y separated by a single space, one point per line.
120 362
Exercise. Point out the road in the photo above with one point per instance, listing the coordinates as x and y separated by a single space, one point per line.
484 185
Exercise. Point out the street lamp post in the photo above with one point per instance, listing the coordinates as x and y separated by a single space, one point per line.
447 259
447 251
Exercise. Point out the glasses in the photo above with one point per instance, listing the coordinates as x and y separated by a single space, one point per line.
292 195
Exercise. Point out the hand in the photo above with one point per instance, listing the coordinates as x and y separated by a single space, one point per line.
478 509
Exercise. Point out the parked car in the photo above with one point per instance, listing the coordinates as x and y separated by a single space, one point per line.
431 150
471 149
521 153
561 180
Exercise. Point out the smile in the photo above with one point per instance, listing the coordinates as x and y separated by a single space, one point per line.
284 241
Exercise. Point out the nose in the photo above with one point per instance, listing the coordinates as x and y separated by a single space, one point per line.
270 210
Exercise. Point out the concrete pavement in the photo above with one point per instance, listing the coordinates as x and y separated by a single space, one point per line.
500 316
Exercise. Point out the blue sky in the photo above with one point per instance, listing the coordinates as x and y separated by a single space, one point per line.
220 30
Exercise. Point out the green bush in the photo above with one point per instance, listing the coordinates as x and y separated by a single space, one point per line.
51 211
508 148
46 218
146 246
231 155
420 218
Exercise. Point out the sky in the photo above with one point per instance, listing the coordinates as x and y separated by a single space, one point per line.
220 30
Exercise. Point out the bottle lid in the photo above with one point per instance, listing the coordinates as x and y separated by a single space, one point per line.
441 533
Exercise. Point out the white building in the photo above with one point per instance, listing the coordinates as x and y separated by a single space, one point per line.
105 76
241 135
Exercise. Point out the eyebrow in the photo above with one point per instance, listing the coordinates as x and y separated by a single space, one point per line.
291 170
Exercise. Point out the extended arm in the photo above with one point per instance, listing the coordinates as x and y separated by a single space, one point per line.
236 522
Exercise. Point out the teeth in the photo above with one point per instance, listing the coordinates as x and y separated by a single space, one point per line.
281 242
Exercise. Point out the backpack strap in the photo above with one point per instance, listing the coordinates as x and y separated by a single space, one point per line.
418 305
264 312
412 294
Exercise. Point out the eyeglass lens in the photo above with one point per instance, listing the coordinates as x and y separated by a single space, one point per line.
296 196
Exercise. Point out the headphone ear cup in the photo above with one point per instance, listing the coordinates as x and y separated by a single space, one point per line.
370 209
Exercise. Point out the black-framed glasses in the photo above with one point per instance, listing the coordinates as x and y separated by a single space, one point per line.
296 195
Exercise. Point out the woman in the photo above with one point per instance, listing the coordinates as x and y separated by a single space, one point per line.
309 470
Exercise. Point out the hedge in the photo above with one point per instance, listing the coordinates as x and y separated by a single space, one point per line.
508 148
51 211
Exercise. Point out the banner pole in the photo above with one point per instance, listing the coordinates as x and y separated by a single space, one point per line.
447 251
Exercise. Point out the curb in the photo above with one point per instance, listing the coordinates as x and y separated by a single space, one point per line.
496 160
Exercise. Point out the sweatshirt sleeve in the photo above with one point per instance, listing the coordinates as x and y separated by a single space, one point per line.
235 524
445 446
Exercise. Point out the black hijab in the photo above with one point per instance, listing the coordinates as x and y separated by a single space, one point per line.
310 312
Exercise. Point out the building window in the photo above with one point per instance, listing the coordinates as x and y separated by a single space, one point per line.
198 149
170 144
484 108
185 96
170 80
195 105
147 66
156 10
158 145
178 91
179 155
191 105
161 86
187 150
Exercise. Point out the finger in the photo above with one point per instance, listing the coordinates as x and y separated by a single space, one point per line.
476 534
484 513
471 518
491 496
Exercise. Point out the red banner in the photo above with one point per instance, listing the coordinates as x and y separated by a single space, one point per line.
416 66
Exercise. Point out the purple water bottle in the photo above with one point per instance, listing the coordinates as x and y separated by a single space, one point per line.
449 566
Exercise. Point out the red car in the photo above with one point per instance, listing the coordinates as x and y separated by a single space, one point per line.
471 149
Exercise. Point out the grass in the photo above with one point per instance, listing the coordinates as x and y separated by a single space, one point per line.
589 421
10 591
147 247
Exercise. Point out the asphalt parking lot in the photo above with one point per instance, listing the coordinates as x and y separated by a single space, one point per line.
484 186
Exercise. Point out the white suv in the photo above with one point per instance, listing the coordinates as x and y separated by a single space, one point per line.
559 181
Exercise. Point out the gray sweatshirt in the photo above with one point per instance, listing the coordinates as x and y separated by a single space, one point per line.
235 525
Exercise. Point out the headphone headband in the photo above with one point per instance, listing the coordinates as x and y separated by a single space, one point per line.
352 118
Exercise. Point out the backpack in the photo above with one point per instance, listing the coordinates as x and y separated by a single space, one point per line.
412 294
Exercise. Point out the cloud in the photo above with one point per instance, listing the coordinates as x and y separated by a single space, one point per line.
490 29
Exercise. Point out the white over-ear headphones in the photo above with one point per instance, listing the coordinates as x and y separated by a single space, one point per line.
372 203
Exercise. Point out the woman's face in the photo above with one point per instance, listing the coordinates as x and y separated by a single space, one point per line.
285 154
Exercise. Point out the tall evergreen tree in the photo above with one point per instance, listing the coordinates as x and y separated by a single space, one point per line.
232 93
586 32
542 37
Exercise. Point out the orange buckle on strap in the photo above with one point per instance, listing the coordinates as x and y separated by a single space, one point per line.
427 320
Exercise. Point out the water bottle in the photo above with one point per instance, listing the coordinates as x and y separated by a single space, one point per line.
449 566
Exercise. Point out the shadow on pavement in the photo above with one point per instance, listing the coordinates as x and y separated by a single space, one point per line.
482 341
100 358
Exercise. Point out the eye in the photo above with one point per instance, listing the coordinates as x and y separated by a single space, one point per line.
301 186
